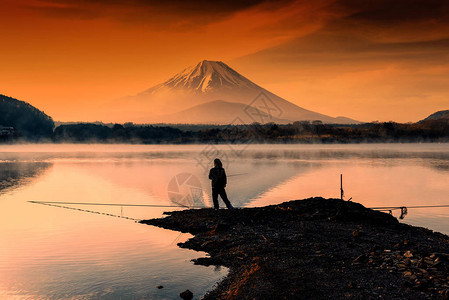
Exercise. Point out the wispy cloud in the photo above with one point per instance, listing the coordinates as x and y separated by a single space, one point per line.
150 12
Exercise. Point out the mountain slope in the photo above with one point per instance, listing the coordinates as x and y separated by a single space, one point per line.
216 112
442 114
209 81
29 121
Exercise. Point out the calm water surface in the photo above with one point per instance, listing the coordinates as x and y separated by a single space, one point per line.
96 252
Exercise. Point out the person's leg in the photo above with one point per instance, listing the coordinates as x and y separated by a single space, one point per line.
225 198
215 198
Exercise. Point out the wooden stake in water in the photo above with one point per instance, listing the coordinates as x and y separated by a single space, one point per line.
341 187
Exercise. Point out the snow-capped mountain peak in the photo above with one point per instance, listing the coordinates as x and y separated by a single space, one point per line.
205 77
193 96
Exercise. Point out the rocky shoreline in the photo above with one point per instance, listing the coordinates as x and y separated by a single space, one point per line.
315 248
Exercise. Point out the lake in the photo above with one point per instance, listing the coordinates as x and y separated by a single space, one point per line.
79 250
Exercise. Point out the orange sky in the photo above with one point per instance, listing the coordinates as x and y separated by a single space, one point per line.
367 60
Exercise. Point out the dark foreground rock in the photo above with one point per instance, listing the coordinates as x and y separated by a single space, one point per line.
186 295
315 248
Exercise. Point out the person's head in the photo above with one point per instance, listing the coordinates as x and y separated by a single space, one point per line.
217 163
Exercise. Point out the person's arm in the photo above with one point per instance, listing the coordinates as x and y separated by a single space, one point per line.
225 180
210 174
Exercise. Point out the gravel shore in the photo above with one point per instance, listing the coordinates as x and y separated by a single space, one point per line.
315 248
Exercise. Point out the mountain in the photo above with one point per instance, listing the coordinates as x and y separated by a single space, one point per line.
214 112
26 119
191 97
442 114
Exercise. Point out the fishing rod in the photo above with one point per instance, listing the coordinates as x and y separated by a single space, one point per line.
100 213
404 209
197 206
129 205
84 210
59 204
417 206
113 204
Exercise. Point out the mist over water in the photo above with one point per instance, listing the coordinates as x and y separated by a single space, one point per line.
54 252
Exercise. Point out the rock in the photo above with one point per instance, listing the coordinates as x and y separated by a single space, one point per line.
408 254
220 227
360 259
406 262
424 271
186 295
296 243
206 243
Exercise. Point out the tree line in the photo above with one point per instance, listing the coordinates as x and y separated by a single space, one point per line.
297 132
20 121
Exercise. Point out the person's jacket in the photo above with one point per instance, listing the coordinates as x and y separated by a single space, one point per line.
218 177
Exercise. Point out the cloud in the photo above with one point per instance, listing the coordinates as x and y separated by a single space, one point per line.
394 20
395 11
388 30
150 12
383 59
327 55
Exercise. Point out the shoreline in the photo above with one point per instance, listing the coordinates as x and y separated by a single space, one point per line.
315 248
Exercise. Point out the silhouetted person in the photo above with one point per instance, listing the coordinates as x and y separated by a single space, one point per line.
218 176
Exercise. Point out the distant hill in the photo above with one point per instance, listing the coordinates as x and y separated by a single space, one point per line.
216 112
442 114
27 120
200 94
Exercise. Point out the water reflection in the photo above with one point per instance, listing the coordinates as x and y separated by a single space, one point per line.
152 178
17 174
440 165
51 252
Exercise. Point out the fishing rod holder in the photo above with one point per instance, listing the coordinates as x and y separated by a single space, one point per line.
403 209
